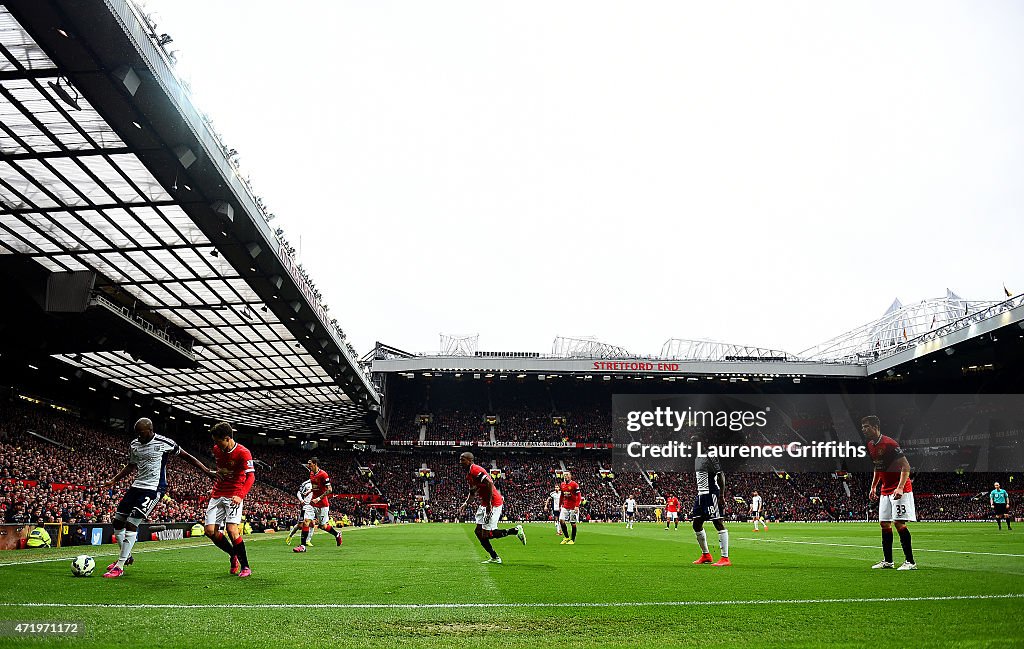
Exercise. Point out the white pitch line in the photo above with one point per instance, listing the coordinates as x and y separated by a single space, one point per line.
872 547
457 605
143 551
104 554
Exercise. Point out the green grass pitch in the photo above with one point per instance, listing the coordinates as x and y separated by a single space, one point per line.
796 585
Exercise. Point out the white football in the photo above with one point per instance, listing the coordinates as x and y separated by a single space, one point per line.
83 565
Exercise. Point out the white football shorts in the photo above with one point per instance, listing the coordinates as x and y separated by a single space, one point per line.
890 509
488 523
222 511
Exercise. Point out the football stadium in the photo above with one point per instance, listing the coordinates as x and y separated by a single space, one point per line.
193 451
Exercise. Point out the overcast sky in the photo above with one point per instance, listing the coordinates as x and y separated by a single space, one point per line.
760 173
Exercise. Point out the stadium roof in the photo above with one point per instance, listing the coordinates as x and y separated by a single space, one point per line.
106 166
902 334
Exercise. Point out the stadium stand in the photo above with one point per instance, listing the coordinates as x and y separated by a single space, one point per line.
57 478
52 462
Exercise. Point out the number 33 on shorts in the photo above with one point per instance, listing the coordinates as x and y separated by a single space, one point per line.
890 509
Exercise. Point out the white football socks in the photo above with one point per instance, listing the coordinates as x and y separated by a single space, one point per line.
723 542
702 541
126 547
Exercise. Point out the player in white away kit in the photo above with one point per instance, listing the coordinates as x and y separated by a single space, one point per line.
629 511
708 507
757 512
305 496
149 454
554 498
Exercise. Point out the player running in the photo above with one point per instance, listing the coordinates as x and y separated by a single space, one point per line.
757 512
708 507
305 496
236 477
569 512
148 454
553 498
1000 502
629 511
489 512
892 471
318 510
671 511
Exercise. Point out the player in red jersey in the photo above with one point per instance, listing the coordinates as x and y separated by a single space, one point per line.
671 511
489 512
896 505
319 508
235 477
570 507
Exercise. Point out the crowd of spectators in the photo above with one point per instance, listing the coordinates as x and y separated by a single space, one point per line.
52 466
525 411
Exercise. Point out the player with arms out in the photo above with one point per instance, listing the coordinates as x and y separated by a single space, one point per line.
896 504
489 512
757 512
569 512
671 511
629 511
235 477
553 499
1000 502
319 509
148 454
708 507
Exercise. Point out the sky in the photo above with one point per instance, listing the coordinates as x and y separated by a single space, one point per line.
768 174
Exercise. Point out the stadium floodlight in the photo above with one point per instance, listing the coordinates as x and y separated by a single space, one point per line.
128 78
185 155
224 210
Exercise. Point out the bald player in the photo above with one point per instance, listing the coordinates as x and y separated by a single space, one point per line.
149 454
